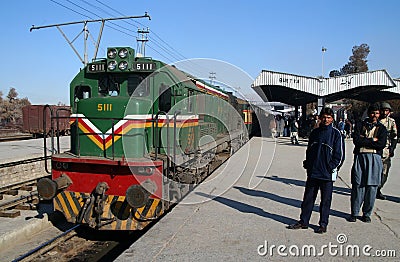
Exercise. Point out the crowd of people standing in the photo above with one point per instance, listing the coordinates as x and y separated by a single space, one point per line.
374 139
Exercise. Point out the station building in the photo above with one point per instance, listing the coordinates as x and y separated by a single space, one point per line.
296 90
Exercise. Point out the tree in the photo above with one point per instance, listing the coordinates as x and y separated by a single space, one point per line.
348 69
358 61
11 108
334 73
359 58
12 94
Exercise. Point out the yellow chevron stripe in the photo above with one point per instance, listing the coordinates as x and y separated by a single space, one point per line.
64 207
129 127
123 224
152 210
113 225
92 137
57 206
106 210
72 204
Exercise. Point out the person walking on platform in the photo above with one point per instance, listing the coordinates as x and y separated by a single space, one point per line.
280 125
369 141
391 141
348 128
341 127
272 126
294 131
324 155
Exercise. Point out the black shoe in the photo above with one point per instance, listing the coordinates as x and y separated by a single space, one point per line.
366 219
381 196
352 219
321 230
297 225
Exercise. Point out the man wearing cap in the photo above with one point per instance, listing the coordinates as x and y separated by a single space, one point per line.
388 151
324 156
369 141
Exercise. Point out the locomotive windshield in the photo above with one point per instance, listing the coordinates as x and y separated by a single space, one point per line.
109 85
138 85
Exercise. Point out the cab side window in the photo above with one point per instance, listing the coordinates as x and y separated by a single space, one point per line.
82 92
138 85
164 99
190 100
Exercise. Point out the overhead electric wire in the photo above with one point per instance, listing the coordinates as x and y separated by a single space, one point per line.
174 54
120 13
89 16
165 51
69 8
127 29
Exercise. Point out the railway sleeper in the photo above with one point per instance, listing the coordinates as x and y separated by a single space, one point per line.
12 192
26 206
10 213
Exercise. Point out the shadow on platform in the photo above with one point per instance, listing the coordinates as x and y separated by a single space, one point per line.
289 181
289 143
245 208
393 199
286 200
337 190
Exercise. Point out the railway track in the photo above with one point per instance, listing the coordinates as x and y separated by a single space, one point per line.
48 245
80 243
15 137
25 161
21 196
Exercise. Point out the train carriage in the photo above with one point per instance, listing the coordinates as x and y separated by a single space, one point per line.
143 134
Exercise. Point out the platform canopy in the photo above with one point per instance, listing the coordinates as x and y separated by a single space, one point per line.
298 90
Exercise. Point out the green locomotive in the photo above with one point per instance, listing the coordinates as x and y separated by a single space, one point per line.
143 133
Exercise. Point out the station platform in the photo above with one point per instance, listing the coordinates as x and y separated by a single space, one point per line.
241 211
11 151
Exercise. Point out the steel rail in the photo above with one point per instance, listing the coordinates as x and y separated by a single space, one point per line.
25 161
18 185
20 200
48 245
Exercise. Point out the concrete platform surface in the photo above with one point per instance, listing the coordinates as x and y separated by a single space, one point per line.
241 212
11 151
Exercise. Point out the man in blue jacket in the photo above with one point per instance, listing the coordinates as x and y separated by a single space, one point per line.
324 156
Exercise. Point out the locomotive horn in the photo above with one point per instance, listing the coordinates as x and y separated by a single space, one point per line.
48 188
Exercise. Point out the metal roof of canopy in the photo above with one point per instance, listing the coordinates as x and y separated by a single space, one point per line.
299 90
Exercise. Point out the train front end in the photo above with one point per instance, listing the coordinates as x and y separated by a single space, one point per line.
108 179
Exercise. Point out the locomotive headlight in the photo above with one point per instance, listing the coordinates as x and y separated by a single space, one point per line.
112 53
123 65
123 52
144 170
112 65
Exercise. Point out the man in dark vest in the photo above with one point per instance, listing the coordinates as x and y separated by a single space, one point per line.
369 141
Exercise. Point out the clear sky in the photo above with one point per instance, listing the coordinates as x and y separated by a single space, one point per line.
285 36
